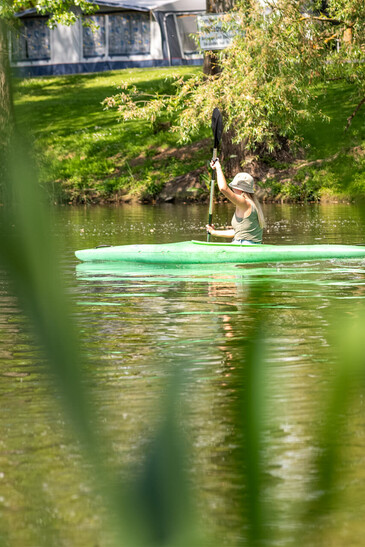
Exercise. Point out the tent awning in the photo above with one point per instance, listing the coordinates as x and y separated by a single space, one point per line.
140 5
134 5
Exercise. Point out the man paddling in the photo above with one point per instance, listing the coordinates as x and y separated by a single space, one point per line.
248 220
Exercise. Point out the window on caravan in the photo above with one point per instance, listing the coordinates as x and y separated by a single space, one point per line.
93 37
187 26
31 42
129 33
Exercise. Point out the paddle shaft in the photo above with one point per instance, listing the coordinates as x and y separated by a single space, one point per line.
210 216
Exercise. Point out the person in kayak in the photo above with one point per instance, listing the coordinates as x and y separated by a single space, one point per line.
248 220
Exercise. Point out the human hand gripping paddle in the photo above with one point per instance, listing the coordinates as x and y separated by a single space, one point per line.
217 128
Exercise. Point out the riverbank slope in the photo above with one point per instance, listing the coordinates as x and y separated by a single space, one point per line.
85 155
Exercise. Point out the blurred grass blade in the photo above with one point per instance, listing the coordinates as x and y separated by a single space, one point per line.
158 501
253 408
346 386
29 255
159 498
253 417
30 259
251 404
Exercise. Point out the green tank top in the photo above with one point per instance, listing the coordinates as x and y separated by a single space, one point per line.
247 228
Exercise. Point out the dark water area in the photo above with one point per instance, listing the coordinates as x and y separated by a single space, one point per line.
139 324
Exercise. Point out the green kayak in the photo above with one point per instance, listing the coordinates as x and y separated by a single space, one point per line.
200 252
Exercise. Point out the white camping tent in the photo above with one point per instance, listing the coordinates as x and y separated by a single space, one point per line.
135 33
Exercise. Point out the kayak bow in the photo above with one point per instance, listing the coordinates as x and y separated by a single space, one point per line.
200 252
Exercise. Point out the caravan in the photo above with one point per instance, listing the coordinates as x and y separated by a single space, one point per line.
139 33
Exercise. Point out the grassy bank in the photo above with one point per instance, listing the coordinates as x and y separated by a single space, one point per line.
333 167
85 154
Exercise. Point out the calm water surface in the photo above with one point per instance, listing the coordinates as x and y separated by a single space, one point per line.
138 324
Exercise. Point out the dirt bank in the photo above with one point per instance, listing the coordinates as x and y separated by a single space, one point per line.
283 179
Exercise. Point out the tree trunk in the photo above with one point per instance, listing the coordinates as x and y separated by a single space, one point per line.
347 35
220 6
233 155
211 64
6 102
6 114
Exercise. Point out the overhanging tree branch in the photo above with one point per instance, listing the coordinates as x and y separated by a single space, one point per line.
350 118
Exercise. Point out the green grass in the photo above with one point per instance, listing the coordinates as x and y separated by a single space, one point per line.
83 151
325 139
341 172
85 154
334 164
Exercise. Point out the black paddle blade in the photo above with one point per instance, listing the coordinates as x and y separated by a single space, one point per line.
217 126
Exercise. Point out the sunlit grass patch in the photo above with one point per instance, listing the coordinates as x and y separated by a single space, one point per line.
82 146
323 139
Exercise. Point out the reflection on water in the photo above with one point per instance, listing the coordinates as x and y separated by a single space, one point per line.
138 323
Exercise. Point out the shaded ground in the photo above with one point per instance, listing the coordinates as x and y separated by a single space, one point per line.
276 183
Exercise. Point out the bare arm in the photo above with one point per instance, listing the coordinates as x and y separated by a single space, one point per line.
220 233
225 189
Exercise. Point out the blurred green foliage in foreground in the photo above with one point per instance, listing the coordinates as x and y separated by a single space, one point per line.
156 507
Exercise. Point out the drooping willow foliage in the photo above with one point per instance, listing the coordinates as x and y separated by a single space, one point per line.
265 85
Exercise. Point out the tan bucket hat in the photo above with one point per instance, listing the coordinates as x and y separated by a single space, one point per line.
244 182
